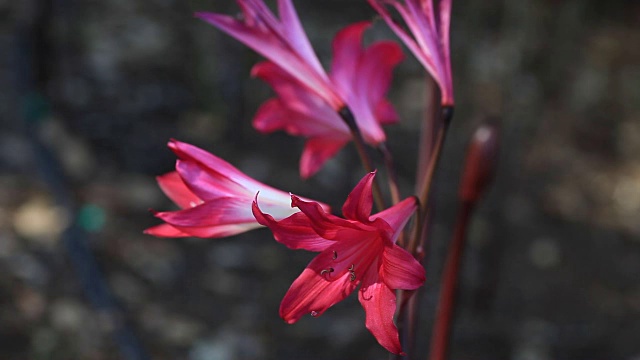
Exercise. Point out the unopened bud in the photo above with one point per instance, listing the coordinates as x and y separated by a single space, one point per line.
480 163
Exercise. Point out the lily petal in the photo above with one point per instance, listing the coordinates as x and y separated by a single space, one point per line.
176 190
271 116
347 52
360 201
429 39
295 231
208 184
222 211
317 151
284 43
376 70
166 230
308 114
313 293
214 165
400 270
386 113
398 215
296 35
218 231
379 303
327 225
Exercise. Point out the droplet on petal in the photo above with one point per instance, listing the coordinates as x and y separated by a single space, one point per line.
314 313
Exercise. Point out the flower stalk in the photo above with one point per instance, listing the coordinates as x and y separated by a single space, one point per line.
478 172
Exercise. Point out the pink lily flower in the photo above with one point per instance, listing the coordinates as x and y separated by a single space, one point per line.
430 40
282 41
216 198
361 76
359 249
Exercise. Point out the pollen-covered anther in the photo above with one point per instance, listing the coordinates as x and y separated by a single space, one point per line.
352 272
326 271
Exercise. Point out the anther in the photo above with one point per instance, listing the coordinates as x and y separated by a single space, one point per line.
352 268
352 277
314 313
326 271
335 254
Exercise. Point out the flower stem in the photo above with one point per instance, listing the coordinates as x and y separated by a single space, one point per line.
408 309
479 168
446 301
417 239
391 171
346 115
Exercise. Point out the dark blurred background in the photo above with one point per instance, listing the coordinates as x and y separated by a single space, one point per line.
92 90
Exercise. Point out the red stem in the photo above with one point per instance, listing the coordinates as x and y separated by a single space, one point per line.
479 168
447 300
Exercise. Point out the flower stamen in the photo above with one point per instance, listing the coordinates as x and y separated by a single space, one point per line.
352 272
326 271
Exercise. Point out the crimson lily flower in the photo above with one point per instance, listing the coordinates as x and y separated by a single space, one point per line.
359 249
282 41
430 40
360 76
215 197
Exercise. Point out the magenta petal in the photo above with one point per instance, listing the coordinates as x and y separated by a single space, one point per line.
398 215
285 44
312 294
218 231
173 186
347 51
304 112
386 113
360 200
216 166
330 277
444 11
379 303
296 35
211 213
429 42
295 232
316 152
208 184
330 226
165 230
400 270
271 116
376 69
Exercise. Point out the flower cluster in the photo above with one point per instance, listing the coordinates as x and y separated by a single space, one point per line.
359 249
